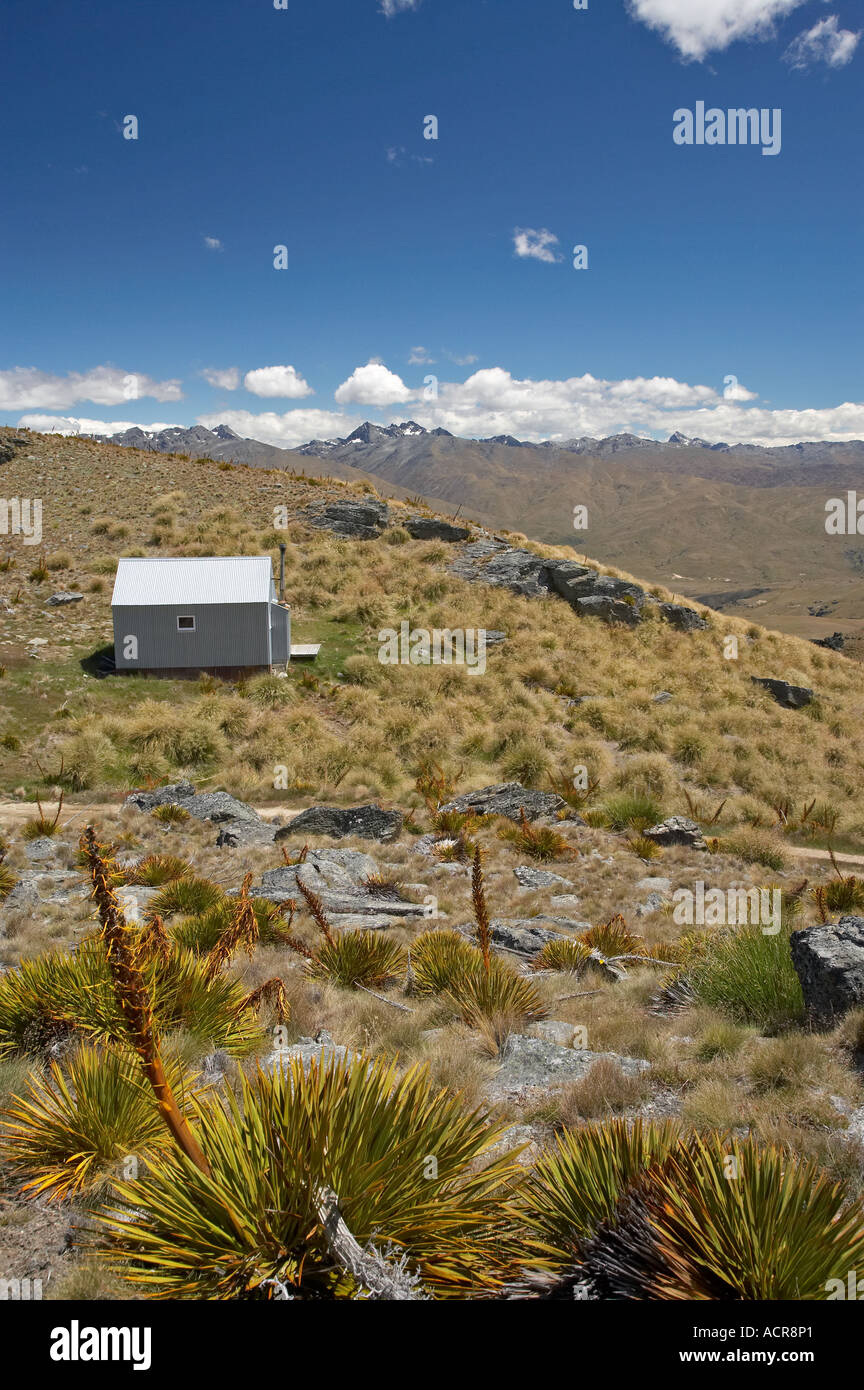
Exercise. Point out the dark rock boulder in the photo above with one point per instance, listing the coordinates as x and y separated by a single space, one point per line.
172 795
367 822
835 643
829 961
507 799
610 610
683 618
360 520
677 830
430 528
789 696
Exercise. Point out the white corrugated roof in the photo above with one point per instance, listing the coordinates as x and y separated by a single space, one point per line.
214 579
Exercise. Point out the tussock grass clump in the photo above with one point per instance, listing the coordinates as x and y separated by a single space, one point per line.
747 975
755 846
357 1129
631 811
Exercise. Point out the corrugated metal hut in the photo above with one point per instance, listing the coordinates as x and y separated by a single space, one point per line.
182 616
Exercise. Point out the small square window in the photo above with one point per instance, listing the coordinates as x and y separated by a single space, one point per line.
185 624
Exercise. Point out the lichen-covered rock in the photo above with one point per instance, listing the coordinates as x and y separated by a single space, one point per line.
529 1063
677 830
829 961
366 822
171 795
610 610
507 799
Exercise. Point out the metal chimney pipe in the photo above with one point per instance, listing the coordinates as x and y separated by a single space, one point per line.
281 571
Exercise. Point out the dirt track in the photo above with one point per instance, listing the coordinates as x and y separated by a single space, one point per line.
77 813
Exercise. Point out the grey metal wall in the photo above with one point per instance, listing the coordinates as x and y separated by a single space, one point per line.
226 634
280 634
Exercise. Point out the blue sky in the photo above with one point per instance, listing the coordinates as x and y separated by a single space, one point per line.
723 292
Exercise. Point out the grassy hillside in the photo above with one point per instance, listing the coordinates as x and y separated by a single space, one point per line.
561 691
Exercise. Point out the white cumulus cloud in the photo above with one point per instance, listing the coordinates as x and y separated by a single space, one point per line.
225 378
391 7
699 27
825 43
277 381
536 245
286 430
70 424
27 388
373 385
213 243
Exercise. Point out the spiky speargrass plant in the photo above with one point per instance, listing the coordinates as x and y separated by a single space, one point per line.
201 933
482 996
46 1001
613 938
7 881
170 814
436 957
69 1131
159 869
567 953
729 1220
400 1155
576 1186
191 896
359 958
537 842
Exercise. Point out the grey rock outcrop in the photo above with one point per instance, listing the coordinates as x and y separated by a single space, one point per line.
60 600
172 795
341 887
507 799
789 696
361 521
684 619
677 830
528 1063
429 528
366 822
610 610
529 877
829 961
